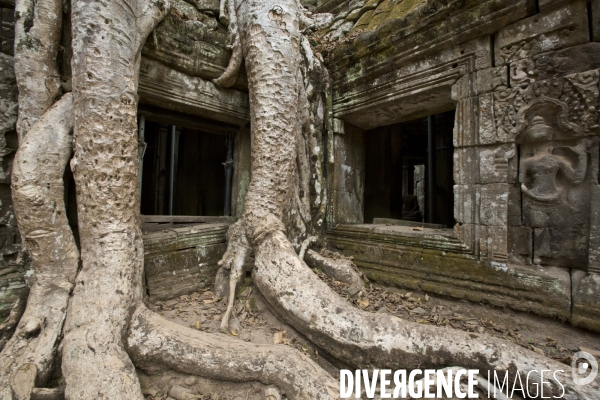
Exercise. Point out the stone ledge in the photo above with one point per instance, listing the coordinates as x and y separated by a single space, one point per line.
410 262
182 260
586 300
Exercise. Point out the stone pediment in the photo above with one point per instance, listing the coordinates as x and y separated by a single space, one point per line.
192 42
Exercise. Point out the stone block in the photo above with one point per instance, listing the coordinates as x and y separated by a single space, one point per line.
491 78
465 165
514 205
594 241
463 88
595 20
493 204
348 207
464 122
564 62
495 163
486 125
182 260
497 243
586 300
565 247
554 29
464 204
519 242
166 87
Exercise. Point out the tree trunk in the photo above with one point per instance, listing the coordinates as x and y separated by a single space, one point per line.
38 198
107 40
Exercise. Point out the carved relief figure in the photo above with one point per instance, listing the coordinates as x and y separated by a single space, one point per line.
538 173
553 165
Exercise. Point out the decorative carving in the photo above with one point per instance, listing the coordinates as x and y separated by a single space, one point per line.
579 91
553 167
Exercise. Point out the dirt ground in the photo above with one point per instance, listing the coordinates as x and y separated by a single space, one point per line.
253 322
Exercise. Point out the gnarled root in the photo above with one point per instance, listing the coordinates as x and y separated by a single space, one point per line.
227 79
154 341
366 339
230 273
341 269
38 198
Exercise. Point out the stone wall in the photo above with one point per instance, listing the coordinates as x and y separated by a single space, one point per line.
524 83
182 260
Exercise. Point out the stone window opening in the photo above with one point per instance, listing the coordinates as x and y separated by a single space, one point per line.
399 187
186 169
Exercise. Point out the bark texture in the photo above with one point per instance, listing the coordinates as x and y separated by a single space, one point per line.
107 38
154 341
37 35
38 198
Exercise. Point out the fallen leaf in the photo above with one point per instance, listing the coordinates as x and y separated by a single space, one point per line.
280 337
363 303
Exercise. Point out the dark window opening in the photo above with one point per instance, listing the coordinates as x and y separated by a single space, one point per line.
398 184
183 172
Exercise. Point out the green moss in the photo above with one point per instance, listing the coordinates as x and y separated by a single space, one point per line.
405 7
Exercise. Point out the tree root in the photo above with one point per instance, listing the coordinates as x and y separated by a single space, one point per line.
366 339
227 79
36 68
154 341
231 268
38 198
341 269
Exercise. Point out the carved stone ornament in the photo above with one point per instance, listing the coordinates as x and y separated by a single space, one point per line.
554 164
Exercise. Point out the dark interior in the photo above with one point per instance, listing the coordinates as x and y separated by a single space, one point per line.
199 177
392 153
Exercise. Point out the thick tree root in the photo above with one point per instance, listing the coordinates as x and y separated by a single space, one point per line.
341 269
38 198
366 339
107 41
156 342
37 37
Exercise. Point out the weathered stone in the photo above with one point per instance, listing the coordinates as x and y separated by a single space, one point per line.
556 64
397 260
191 42
551 30
520 241
586 302
595 20
464 204
491 78
496 164
182 260
465 123
487 130
493 200
163 87
465 165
